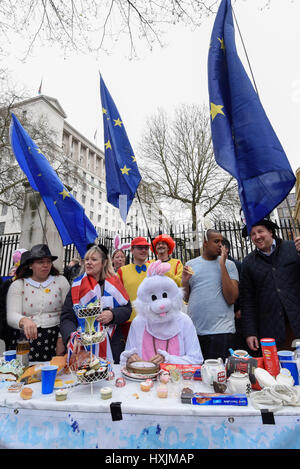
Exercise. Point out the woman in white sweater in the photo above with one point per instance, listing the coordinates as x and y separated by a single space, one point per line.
34 303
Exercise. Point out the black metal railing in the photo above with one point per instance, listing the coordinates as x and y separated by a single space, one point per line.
188 241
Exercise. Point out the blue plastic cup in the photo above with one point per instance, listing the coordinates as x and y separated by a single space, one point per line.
292 366
285 355
48 378
9 355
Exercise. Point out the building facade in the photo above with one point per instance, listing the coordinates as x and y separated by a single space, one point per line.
84 174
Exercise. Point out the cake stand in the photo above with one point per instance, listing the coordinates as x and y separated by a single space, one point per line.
97 370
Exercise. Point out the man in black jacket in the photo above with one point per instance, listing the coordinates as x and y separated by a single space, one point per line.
270 288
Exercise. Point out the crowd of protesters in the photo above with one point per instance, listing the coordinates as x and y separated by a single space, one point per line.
231 304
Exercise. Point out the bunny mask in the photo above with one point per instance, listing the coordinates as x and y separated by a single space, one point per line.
159 301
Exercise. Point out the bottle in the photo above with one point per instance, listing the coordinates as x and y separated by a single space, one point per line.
23 349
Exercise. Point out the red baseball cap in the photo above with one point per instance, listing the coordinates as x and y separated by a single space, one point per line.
139 241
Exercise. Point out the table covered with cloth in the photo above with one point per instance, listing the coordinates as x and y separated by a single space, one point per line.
133 419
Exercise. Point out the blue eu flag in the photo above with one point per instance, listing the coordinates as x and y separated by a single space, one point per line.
122 173
244 141
67 214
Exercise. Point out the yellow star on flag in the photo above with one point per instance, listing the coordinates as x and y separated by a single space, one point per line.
222 43
125 170
118 122
107 145
133 158
216 109
39 151
104 111
65 193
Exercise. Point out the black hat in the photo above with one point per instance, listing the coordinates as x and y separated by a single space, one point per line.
270 225
38 252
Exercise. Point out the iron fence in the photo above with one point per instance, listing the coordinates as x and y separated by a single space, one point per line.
8 244
188 241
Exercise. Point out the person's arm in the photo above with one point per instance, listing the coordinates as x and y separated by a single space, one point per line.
14 308
117 315
230 287
186 275
68 320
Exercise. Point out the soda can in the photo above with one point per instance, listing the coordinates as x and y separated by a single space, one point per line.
270 356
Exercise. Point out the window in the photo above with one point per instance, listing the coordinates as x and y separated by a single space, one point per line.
2 227
92 202
91 215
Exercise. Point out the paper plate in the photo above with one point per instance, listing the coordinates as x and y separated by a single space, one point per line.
65 382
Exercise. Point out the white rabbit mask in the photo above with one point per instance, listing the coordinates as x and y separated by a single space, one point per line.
159 301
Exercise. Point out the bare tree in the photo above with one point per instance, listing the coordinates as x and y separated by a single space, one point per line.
94 25
12 177
177 161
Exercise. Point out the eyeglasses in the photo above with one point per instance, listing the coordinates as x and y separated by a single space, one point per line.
140 248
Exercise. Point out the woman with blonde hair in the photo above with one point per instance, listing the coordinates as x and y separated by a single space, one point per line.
98 281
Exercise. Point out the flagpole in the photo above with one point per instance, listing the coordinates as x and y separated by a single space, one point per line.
149 235
245 51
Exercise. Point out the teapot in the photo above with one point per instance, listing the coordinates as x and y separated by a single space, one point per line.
213 370
239 383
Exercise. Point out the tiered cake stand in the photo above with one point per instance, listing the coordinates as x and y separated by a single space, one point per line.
97 370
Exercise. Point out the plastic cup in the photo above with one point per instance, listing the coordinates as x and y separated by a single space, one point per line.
48 378
285 355
292 366
9 355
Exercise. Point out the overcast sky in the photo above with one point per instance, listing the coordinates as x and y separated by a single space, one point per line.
178 74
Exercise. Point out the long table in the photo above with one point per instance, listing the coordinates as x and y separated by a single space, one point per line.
133 419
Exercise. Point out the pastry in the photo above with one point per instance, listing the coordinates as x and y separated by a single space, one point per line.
61 362
15 387
120 382
106 393
26 393
150 382
58 383
162 391
61 394
142 367
95 364
145 386
165 377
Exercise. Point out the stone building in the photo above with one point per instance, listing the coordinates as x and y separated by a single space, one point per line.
84 174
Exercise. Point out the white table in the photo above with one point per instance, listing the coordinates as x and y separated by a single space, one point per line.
84 420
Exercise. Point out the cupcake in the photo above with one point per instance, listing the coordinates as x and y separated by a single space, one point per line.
145 386
106 393
120 382
26 393
61 394
162 391
95 364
